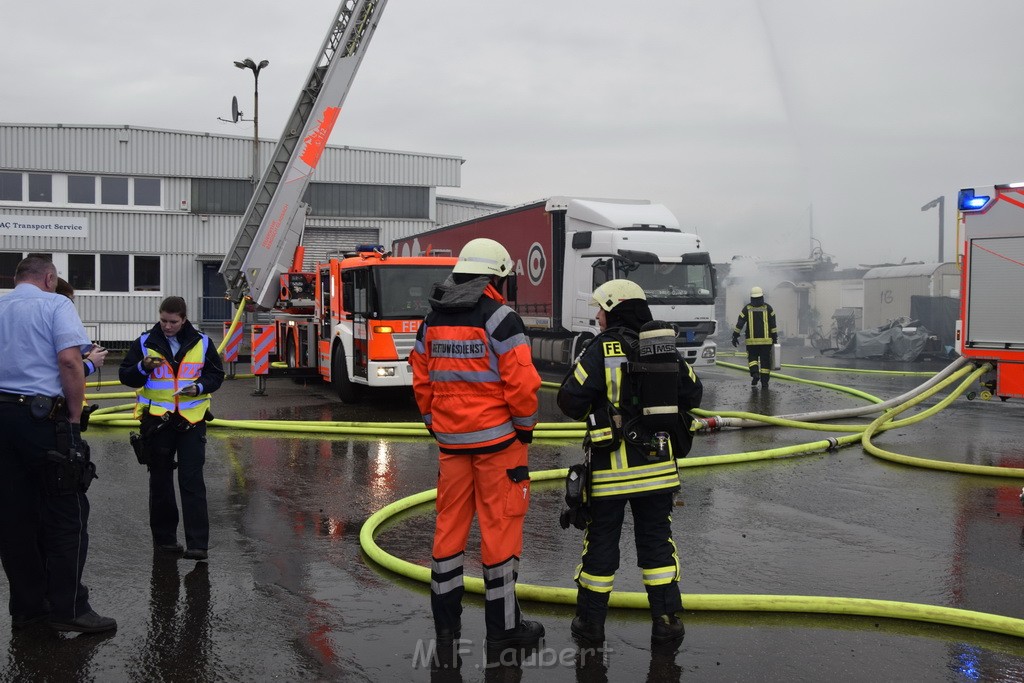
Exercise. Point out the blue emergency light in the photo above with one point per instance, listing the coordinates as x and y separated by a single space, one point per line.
968 201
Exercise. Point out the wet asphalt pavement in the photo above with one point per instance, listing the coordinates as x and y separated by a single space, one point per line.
287 593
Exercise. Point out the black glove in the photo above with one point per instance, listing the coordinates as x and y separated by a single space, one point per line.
574 517
775 339
524 435
735 339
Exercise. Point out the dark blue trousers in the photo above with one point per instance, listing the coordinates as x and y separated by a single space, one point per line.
190 447
652 533
44 538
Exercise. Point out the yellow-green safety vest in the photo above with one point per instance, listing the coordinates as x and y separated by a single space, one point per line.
158 393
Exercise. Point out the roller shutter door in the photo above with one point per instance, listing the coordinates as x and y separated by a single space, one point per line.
323 242
997 280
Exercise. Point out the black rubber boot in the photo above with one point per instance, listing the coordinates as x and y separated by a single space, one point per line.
525 636
667 629
587 631
591 611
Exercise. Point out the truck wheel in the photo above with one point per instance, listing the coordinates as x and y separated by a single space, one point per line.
291 353
339 377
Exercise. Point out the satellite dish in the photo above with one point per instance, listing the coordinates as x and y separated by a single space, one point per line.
235 114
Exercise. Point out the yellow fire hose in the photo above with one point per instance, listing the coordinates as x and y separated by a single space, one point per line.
697 602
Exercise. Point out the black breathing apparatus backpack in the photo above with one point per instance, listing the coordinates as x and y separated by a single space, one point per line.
648 413
655 376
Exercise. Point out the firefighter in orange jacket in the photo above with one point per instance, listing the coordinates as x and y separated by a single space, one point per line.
476 387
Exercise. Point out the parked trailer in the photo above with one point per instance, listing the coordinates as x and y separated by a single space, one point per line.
563 247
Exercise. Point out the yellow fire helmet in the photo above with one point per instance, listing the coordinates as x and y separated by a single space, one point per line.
612 293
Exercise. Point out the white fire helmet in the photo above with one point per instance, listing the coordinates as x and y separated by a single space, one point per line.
756 292
612 293
484 256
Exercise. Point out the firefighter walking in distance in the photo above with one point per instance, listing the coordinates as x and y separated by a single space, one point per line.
758 318
632 387
177 368
476 387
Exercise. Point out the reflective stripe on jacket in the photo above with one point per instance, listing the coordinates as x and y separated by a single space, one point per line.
473 377
596 381
158 392
760 324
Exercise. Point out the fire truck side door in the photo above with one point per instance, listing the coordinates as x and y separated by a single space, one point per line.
358 307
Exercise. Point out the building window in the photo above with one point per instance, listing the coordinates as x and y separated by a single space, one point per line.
82 271
147 273
113 272
368 201
114 191
147 191
40 187
81 189
10 187
214 195
9 260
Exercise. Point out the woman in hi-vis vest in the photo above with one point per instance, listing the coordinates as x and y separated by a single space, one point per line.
177 368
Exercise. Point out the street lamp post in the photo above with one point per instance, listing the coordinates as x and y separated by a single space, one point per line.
256 68
941 203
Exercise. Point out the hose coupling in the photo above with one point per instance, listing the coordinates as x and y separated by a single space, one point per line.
833 444
707 424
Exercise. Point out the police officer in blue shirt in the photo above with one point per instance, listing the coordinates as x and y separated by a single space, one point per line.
44 465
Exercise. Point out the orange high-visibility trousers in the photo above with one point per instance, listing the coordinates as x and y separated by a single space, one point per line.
496 488
481 485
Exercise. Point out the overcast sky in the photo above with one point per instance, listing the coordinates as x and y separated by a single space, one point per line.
755 122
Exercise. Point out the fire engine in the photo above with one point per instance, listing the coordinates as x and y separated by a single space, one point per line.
990 237
367 309
354 320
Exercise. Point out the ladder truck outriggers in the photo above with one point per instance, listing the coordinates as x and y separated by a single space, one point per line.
990 236
354 320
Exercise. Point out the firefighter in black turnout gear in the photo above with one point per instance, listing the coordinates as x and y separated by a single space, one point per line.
762 333
633 389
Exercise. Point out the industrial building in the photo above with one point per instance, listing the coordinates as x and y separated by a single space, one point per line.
131 215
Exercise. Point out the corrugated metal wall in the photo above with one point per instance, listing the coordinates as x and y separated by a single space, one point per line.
146 151
456 210
183 239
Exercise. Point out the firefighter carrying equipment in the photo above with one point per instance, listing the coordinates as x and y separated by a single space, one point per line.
760 325
600 384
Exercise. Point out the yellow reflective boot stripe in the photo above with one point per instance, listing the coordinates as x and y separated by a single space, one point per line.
598 584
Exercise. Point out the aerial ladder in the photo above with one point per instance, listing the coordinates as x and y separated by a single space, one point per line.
272 226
